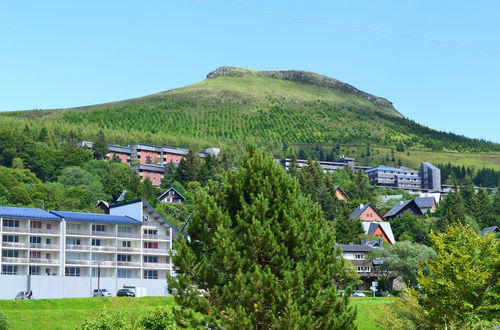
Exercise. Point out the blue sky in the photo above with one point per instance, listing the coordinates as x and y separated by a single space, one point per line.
66 53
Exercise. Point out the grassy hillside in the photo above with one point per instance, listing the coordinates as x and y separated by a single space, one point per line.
269 108
70 313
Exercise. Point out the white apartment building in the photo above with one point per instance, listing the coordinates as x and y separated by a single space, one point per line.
67 254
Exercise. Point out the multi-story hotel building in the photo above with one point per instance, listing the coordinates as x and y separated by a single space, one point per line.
46 250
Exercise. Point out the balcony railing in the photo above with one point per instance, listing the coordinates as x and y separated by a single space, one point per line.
44 231
129 235
155 251
128 249
104 233
77 247
102 263
159 237
15 229
128 264
44 246
15 260
44 261
15 244
77 262
104 248
78 232
155 265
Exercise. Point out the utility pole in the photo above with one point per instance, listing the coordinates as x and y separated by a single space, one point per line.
98 275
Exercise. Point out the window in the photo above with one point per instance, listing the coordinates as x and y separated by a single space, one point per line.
150 231
9 270
73 226
72 271
151 274
48 241
35 254
11 223
10 238
101 272
146 218
49 226
124 273
98 228
153 259
98 256
73 241
96 242
124 257
35 240
364 269
10 253
75 256
126 244
359 256
150 245
122 229
36 224
35 270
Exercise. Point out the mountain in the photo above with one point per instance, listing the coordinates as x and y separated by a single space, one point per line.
235 106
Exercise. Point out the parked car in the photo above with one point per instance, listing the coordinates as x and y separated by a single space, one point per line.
102 293
20 295
358 294
125 293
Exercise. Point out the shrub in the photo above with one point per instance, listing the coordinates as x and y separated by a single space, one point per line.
4 325
106 321
159 319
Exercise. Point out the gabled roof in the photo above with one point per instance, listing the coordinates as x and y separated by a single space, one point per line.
400 206
26 213
98 218
490 230
370 227
166 192
356 247
424 202
360 209
342 190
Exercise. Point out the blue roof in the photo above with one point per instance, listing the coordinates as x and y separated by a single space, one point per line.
95 217
387 168
27 213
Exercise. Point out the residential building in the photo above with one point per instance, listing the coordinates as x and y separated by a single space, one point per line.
426 204
403 178
366 212
357 254
409 206
171 196
341 195
60 254
490 231
155 173
380 230
431 176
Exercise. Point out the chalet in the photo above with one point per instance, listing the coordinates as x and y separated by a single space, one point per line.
404 207
171 196
426 204
341 194
366 212
380 230
357 254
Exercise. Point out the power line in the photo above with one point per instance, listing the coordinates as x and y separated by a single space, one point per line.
345 26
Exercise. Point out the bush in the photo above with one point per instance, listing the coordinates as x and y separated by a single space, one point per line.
106 321
395 293
159 319
4 325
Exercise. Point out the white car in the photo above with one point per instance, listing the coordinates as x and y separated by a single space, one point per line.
358 294
102 293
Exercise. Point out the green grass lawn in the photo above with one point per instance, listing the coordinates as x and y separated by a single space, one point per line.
71 312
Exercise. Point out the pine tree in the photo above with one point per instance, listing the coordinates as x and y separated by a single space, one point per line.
260 255
100 146
189 169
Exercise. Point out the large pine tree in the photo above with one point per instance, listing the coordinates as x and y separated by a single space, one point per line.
260 255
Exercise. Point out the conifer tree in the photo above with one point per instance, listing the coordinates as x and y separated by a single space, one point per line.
189 168
260 255
100 146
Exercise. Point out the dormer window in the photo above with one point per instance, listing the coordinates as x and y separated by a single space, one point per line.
146 218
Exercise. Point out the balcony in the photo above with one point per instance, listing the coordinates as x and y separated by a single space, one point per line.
129 235
104 233
77 262
15 245
78 232
128 264
103 263
104 248
155 265
15 260
155 251
44 246
21 230
44 261
156 237
44 231
128 249
77 247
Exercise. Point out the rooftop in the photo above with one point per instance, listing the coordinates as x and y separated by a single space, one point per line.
26 213
95 217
